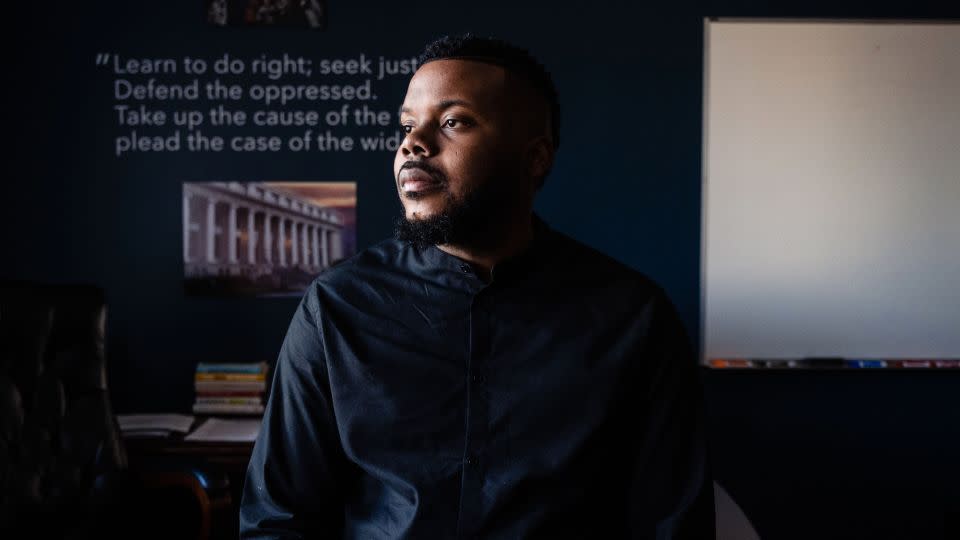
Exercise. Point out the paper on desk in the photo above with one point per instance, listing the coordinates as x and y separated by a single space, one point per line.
227 430
146 434
155 422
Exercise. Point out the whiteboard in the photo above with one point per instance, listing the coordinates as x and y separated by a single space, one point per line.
831 190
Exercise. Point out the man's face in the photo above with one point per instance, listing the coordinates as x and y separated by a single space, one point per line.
459 160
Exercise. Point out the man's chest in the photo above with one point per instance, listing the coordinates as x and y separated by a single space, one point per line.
435 374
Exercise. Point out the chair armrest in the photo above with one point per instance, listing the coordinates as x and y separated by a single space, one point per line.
174 481
181 501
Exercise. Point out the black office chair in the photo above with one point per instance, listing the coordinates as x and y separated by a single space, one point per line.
63 465
61 458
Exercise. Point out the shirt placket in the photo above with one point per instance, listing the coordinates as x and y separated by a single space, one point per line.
475 433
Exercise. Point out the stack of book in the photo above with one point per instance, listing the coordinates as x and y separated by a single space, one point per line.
230 388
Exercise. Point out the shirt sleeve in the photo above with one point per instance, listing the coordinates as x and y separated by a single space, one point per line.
292 487
672 486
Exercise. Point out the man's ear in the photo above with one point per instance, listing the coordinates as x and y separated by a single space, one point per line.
539 157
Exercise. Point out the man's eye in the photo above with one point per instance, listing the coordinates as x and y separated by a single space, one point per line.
452 122
406 128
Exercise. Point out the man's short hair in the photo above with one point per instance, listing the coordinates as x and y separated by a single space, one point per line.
514 59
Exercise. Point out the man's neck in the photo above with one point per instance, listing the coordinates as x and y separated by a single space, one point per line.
514 237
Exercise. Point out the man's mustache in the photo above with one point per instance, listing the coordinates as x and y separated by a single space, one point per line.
434 172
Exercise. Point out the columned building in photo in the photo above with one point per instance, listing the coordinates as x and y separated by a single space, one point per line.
249 229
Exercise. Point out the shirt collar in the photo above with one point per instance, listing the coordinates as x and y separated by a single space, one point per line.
514 265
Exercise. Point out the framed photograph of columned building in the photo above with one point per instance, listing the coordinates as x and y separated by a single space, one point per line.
264 238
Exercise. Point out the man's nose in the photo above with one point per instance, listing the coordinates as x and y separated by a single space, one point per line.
417 143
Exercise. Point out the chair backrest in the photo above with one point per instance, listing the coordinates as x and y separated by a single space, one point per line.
732 522
58 433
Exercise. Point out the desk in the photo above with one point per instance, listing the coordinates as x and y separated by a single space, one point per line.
218 467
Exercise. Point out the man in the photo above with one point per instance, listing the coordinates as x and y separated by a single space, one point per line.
480 375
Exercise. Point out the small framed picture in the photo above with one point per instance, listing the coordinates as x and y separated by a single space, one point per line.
288 13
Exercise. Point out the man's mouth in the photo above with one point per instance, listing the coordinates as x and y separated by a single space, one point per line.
417 180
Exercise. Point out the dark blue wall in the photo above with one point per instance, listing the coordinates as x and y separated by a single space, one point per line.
808 455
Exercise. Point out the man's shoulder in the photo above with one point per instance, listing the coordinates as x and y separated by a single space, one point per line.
587 264
366 264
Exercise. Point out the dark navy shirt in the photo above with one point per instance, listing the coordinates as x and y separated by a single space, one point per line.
412 398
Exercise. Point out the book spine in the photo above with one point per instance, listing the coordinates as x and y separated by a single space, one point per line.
221 386
230 377
202 408
229 393
228 401
207 367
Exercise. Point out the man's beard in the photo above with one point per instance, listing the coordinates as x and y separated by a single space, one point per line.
475 222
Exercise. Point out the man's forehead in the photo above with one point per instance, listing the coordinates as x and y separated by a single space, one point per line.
464 80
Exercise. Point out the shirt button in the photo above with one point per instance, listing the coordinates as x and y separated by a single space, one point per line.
477 378
471 460
465 268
